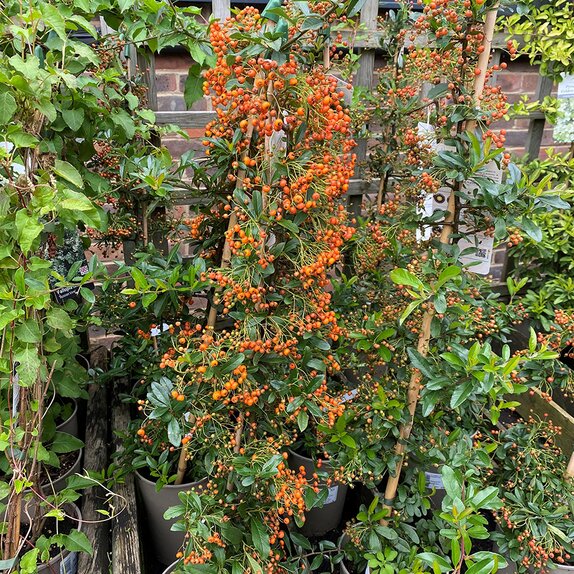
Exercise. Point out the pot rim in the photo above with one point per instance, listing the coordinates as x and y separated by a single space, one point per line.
74 413
141 477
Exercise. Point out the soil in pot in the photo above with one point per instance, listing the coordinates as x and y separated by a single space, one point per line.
319 521
166 542
53 480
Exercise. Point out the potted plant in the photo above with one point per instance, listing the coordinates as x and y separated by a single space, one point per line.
535 520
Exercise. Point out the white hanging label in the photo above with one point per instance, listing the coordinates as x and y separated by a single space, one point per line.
434 480
332 496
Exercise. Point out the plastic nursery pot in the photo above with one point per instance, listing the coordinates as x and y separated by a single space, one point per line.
319 521
561 568
344 570
57 485
171 568
70 425
65 562
167 542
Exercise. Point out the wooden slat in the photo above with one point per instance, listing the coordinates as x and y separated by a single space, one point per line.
537 406
536 128
126 550
189 119
95 526
221 9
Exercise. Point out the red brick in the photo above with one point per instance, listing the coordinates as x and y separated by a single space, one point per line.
166 82
530 83
172 103
178 146
172 62
516 138
510 81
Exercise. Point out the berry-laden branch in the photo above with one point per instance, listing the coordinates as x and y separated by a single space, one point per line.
445 238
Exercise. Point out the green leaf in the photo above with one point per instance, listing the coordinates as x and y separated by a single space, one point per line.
77 541
451 483
88 295
7 107
484 498
193 89
461 393
404 277
29 366
438 91
446 274
349 441
64 442
482 567
431 559
28 331
302 420
123 120
54 19
409 309
74 118
68 172
531 229
148 299
139 278
174 432
260 537
28 228
59 320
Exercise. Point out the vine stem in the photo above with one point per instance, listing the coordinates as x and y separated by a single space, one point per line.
445 238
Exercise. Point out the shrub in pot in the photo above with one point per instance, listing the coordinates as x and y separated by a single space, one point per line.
535 521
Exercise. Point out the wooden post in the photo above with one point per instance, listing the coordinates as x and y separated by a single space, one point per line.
95 526
126 550
221 9
445 237
536 125
364 79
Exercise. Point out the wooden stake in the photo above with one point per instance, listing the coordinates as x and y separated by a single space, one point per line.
570 467
225 262
445 237
226 256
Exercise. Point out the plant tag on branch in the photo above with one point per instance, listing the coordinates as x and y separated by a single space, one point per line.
483 245
332 496
564 126
434 480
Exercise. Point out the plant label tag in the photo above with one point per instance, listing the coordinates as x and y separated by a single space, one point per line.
427 134
566 87
479 261
349 396
434 480
69 563
332 496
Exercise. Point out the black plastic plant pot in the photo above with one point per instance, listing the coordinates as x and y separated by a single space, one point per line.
319 521
167 542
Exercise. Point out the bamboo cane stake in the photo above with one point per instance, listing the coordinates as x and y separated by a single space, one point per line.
225 262
447 229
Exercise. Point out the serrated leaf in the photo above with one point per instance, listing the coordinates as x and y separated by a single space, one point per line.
174 432
28 228
28 331
302 420
77 541
58 319
260 537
